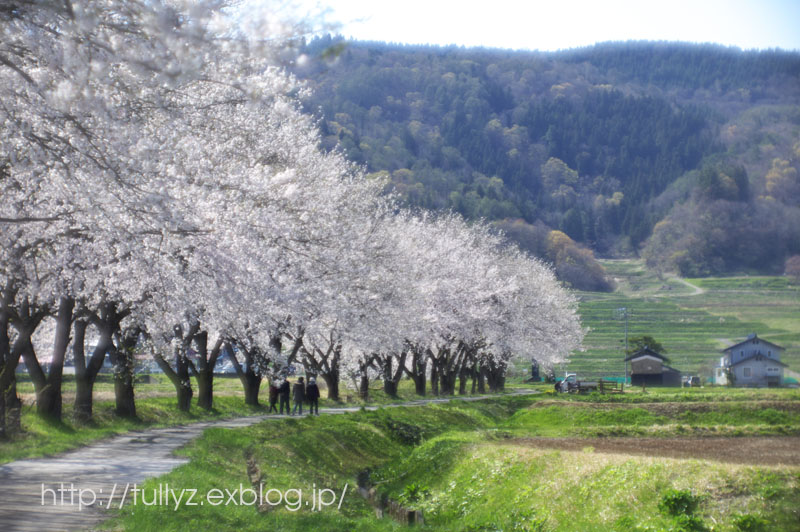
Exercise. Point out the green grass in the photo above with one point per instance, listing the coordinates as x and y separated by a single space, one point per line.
674 395
325 451
155 407
495 485
42 437
459 463
563 418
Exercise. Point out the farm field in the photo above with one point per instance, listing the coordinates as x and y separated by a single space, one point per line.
642 461
693 318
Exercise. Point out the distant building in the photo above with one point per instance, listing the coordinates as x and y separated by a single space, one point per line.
649 368
753 362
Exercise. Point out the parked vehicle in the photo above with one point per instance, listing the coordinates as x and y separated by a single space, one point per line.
691 381
571 384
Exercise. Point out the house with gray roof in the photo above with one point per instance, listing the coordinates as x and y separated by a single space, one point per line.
754 362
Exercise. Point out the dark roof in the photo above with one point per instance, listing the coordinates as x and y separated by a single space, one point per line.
760 356
752 336
646 351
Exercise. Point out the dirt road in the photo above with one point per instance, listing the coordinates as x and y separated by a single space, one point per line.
761 451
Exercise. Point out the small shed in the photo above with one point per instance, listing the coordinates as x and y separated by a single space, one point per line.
649 368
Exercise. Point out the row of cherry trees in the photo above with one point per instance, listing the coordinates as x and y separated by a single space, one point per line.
162 192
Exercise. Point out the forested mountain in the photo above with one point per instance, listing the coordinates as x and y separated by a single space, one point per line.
686 153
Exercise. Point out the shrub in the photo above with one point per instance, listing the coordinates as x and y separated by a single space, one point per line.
750 523
405 433
413 493
678 502
689 523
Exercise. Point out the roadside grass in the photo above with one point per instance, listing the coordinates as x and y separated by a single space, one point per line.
304 453
155 407
42 436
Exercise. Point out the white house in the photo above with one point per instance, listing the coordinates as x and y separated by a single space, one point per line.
753 362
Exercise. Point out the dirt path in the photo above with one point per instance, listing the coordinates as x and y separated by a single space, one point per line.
697 290
35 496
760 451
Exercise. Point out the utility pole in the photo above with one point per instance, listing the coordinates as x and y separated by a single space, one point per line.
622 313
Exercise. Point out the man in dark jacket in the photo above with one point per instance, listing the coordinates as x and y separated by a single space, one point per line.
273 397
312 394
298 396
283 393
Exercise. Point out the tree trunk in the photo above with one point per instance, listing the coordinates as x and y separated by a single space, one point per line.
496 377
446 383
434 379
184 396
482 379
48 398
363 386
250 379
11 407
86 374
123 375
10 404
205 369
332 382
462 382
107 322
82 411
28 319
83 399
252 386
205 388
419 384
417 374
390 388
501 383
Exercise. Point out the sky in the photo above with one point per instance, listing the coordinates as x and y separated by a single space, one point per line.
562 24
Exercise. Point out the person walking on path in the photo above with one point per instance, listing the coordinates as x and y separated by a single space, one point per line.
273 397
312 394
283 393
298 396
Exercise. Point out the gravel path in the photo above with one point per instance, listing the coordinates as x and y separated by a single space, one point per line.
35 494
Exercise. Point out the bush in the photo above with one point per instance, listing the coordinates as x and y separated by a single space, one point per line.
678 502
750 523
413 493
689 523
405 433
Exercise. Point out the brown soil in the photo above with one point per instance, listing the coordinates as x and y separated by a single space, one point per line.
670 409
762 451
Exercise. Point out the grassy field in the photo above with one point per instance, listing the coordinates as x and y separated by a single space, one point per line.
155 407
694 318
478 466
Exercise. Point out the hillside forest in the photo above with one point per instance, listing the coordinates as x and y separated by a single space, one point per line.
685 154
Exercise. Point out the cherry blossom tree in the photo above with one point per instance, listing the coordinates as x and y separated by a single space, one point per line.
162 188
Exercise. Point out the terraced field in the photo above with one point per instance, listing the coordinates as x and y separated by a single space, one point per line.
694 318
